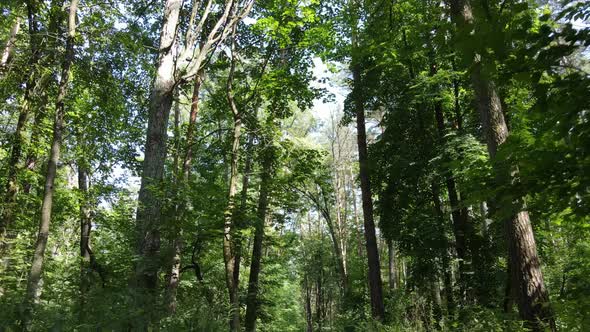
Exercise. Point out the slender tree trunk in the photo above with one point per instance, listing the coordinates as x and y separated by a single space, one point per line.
393 284
33 290
437 299
339 257
239 222
88 262
357 222
308 312
323 209
448 283
148 218
8 214
229 253
9 46
173 279
36 131
447 279
176 132
375 286
458 120
461 227
319 303
525 269
173 275
190 131
252 297
85 228
229 256
344 234
40 89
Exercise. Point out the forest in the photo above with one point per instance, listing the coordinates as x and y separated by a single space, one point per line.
295 165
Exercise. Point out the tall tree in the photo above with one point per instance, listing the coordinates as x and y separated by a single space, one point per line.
33 292
185 172
177 62
459 214
8 51
252 303
525 268
230 255
18 139
375 284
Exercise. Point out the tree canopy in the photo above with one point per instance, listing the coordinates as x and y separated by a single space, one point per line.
281 165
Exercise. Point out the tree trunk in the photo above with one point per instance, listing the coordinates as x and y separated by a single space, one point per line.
308 313
18 140
251 300
357 222
319 303
49 43
393 284
324 210
228 240
448 283
9 46
88 264
190 131
239 222
461 229
229 256
375 286
173 279
32 293
526 274
148 218
85 228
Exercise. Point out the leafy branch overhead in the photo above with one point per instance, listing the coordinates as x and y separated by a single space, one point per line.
286 165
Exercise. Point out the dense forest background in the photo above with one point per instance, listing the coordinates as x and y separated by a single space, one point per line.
287 165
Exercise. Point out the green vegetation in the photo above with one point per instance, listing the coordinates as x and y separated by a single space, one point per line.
281 165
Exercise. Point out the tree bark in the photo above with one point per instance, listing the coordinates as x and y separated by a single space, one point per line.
18 140
319 303
175 64
461 227
229 254
32 293
41 92
148 216
357 223
252 296
85 228
308 312
323 208
393 283
173 279
89 263
9 46
524 264
190 131
375 286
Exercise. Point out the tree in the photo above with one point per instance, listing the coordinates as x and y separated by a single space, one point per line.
268 161
375 285
8 51
33 291
169 73
252 165
526 276
18 140
230 255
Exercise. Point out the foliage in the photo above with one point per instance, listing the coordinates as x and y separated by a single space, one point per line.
427 156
